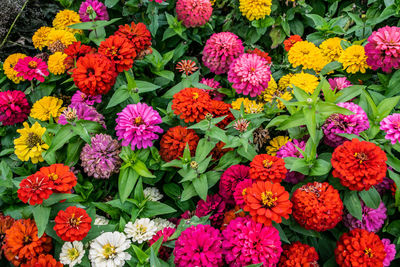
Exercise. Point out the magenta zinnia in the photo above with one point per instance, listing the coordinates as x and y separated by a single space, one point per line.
81 97
81 111
229 180
339 83
89 6
372 219
290 150
391 126
193 13
14 107
215 206
214 94
31 68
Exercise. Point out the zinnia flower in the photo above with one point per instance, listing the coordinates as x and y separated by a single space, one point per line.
354 59
255 9
56 63
241 125
331 48
61 175
339 83
391 126
75 51
359 165
152 194
390 250
247 242
187 66
305 81
141 230
165 252
220 109
5 223
39 39
31 68
46 108
249 74
93 7
250 106
383 49
214 94
174 141
193 13
199 245
8 67
360 248
119 50
298 254
260 53
229 180
14 107
267 202
317 206
307 55
72 253
45 260
65 18
240 191
276 143
372 219
100 159
220 51
214 205
191 104
284 82
269 168
138 34
73 224
58 40
289 149
272 95
289 42
137 125
81 97
30 144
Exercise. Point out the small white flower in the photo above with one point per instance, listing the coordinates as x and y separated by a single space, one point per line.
72 253
152 194
141 230
108 250
100 220
163 223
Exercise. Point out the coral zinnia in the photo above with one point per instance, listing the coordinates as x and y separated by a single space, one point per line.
174 141
359 165
187 66
56 63
267 202
247 242
372 219
94 74
30 144
63 178
138 34
191 104
73 224
46 108
391 126
74 52
35 188
45 261
8 67
31 68
137 125
249 74
331 48
240 191
119 50
267 167
354 59
14 107
289 42
39 39
229 180
317 206
260 53
193 13
298 254
255 9
5 223
214 205
360 248
93 7
220 50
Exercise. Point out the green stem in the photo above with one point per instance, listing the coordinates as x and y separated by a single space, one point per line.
13 24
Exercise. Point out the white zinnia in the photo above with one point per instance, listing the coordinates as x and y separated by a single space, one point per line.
141 230
108 250
100 220
152 194
72 253
163 223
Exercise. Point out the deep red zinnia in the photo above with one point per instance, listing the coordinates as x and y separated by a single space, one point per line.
75 51
35 188
138 34
267 167
73 224
298 254
119 50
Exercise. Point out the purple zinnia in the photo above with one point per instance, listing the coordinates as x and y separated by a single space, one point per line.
214 94
199 245
81 97
214 205
100 158
81 111
230 178
136 125
339 83
340 123
390 250
385 185
372 219
93 6
391 126
290 150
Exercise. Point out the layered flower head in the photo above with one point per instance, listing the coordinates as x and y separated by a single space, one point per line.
58 40
255 10
73 224
46 108
191 104
8 67
75 51
214 205
62 177
240 191
289 42
276 143
247 242
214 94
372 219
298 254
317 206
390 250
272 95
174 141
89 8
56 63
14 107
267 167
331 48
119 50
81 97
220 109
35 188
307 55
193 13
305 81
39 39
391 126
220 51
31 68
339 83
65 18
45 260
141 230
30 144
250 106
359 165
81 111
138 34
137 126
354 59
229 180
249 74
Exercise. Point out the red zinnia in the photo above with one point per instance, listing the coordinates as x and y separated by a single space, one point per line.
94 74
35 188
360 248
73 224
260 53
192 104
267 202
220 109
298 254
359 165
317 206
291 41
45 261
119 50
75 51
138 34
174 141
63 178
267 167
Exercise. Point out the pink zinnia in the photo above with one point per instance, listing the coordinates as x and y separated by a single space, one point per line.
220 50
240 191
247 242
193 13
81 97
290 150
383 49
14 107
199 245
214 94
249 74
137 125
229 180
97 7
339 83
81 111
215 206
164 251
31 68
390 250
391 126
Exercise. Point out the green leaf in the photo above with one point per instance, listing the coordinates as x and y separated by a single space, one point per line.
297 228
311 123
41 215
169 75
55 198
140 254
318 20
353 204
84 129
203 149
119 96
111 3
154 261
145 87
371 198
282 234
334 65
296 119
217 133
6 175
349 93
153 208
394 228
62 136
126 182
142 169
396 178
201 186
320 167
73 152
386 106
90 25
188 192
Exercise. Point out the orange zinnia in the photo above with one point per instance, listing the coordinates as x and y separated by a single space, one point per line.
119 50
267 167
220 109
192 104
45 261
138 34
64 180
267 202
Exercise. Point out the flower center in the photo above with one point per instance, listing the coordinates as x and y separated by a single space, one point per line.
113 50
73 253
267 163
27 240
108 251
32 64
70 114
139 121
244 192
53 176
142 228
369 252
90 71
74 222
268 199
252 69
361 156
195 95
33 140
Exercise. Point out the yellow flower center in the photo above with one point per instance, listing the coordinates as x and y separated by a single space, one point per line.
73 253
244 191
32 64
268 199
142 228
267 163
33 140
195 95
74 222
139 121
368 252
27 239
361 156
108 251
53 176
252 69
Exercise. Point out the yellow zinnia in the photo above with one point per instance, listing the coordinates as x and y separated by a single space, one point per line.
307 55
47 107
271 94
284 82
250 106
255 9
58 40
304 81
65 18
354 59
9 65
30 144
56 63
331 48
39 39
276 143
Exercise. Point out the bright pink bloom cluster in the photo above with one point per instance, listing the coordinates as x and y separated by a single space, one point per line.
81 97
14 107
193 13
391 126
98 7
339 83
390 250
31 68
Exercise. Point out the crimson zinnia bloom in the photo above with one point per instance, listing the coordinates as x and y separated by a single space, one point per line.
35 188
230 179
191 104
267 167
267 202
298 254
317 206
165 252
75 51
359 165
138 34
73 224
63 178
215 206
174 141
14 107
94 74
45 261
119 50
360 248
